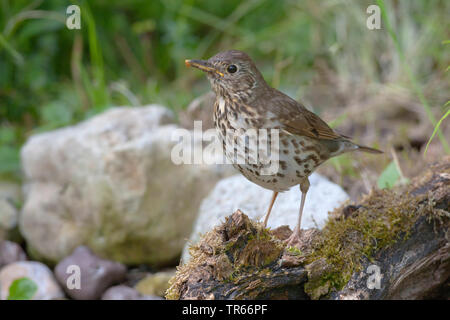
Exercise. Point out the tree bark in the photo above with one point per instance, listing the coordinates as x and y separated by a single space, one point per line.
410 259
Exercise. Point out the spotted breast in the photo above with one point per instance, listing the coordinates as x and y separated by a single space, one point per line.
276 160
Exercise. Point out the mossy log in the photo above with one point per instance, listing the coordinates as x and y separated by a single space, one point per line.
403 232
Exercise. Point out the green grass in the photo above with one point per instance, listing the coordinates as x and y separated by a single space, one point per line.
132 53
436 128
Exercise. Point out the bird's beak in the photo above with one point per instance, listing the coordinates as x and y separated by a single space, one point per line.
202 65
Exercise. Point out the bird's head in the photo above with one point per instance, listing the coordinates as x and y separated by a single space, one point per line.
231 73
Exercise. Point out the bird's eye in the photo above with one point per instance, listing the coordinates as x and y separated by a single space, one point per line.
232 68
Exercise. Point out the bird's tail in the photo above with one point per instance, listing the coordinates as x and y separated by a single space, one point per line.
367 149
338 147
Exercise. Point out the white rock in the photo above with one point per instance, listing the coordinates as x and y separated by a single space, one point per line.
237 192
48 288
109 183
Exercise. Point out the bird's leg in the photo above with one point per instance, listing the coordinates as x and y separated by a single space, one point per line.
274 196
295 236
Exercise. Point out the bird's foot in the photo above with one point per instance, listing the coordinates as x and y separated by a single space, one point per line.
294 239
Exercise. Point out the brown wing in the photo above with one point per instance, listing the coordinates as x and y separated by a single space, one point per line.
298 120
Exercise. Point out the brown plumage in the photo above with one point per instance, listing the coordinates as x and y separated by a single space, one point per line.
244 101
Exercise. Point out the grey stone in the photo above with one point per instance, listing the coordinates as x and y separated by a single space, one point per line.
10 252
121 292
151 298
96 274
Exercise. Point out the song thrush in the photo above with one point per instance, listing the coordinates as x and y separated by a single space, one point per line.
245 101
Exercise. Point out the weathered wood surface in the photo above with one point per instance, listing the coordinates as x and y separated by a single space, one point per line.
241 260
419 267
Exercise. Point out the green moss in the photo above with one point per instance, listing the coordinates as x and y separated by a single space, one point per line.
383 219
294 251
256 252
247 248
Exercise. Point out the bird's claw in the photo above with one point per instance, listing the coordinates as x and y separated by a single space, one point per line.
294 239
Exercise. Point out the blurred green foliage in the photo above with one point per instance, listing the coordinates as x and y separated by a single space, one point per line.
132 52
